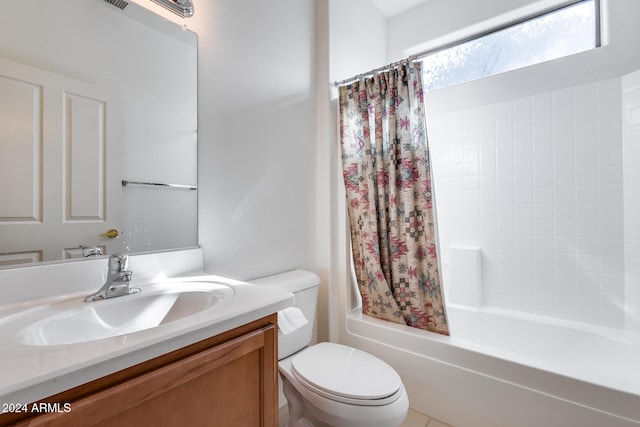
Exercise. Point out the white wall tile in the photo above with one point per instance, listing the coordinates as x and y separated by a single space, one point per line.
585 141
541 126
543 228
587 177
585 159
609 104
537 183
586 107
504 124
522 120
562 112
587 246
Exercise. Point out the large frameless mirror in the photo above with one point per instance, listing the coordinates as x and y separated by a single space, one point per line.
98 131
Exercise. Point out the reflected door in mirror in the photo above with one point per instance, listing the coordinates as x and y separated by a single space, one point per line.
59 165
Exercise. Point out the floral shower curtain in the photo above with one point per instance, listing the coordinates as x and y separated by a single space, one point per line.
386 168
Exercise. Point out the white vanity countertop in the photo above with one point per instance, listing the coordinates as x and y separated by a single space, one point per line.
29 373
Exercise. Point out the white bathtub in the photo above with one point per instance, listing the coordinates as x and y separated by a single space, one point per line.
504 369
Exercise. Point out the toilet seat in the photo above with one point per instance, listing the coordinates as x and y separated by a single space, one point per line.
346 375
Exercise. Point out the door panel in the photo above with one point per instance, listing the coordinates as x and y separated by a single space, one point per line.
20 151
84 172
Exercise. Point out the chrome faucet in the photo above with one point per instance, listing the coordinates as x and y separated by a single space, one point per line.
117 283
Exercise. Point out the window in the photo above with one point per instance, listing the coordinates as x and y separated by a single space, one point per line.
559 33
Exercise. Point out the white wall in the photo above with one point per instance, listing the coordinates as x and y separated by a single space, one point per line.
357 36
437 18
343 28
256 137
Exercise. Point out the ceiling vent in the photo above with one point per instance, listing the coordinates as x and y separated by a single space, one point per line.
120 4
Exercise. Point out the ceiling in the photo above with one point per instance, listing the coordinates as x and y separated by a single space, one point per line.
391 8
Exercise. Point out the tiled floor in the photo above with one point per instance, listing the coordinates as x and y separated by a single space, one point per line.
416 419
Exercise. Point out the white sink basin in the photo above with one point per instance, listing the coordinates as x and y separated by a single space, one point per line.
76 321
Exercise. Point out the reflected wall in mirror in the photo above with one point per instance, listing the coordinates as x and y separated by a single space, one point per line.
92 96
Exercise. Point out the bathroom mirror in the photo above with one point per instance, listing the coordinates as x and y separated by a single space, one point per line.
98 130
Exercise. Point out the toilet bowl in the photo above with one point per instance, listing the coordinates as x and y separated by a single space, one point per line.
334 385
330 384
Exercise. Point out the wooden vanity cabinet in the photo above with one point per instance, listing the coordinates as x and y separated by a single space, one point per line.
227 380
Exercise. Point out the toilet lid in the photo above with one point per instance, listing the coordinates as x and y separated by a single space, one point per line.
345 372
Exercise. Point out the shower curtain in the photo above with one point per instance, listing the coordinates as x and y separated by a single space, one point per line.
387 176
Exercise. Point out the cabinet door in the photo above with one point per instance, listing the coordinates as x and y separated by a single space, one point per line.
231 384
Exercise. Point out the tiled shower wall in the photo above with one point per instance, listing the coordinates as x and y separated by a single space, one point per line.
537 184
631 178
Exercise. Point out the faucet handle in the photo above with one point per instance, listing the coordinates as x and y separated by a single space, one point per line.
118 262
89 251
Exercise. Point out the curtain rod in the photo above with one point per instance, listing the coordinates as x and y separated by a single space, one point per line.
375 70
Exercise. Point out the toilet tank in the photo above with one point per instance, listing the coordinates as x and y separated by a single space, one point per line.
304 286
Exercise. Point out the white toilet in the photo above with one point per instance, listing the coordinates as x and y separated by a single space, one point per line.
331 384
